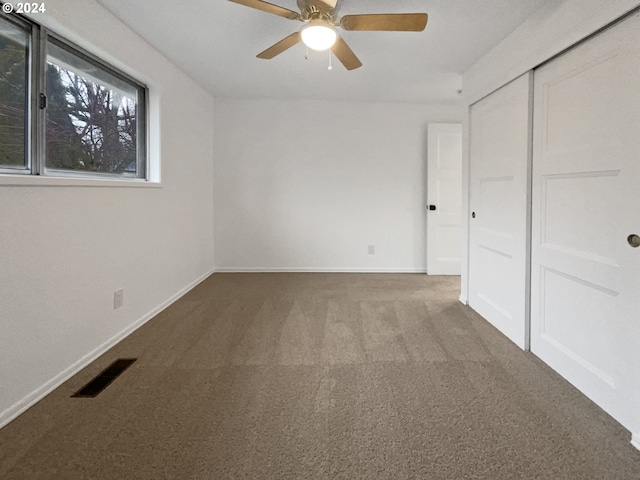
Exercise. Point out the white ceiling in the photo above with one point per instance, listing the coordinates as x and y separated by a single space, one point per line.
216 43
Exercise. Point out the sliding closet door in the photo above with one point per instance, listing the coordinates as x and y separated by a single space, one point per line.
498 227
585 303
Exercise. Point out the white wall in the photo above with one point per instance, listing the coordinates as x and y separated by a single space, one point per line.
549 31
308 185
65 249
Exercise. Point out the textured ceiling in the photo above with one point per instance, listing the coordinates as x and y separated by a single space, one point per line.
216 41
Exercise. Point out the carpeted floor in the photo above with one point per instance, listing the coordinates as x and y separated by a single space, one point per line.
293 376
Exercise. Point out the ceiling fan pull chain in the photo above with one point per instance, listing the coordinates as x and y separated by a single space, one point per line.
306 55
330 66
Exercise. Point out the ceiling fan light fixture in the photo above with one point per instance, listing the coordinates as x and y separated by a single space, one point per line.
318 35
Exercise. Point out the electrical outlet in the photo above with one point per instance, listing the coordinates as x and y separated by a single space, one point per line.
372 249
118 298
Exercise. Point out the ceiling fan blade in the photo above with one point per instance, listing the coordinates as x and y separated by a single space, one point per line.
346 56
280 47
390 22
269 8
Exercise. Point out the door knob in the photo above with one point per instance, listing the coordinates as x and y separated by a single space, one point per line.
634 240
431 207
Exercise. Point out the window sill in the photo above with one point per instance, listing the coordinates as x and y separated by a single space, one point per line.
50 181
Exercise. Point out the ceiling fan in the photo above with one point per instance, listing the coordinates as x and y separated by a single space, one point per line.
321 19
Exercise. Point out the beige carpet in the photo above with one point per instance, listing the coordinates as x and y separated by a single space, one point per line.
292 376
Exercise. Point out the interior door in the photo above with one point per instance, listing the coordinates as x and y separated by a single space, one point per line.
585 310
444 193
499 133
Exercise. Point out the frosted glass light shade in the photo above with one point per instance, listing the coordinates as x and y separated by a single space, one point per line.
318 35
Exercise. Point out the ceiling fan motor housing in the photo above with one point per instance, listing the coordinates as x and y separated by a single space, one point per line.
319 10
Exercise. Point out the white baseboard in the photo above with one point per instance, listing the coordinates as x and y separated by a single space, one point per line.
463 300
316 270
635 440
39 393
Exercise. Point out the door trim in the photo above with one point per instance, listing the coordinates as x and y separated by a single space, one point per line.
529 220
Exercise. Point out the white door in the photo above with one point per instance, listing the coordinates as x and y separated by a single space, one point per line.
585 291
499 132
444 192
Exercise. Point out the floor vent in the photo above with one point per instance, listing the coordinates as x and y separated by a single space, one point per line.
102 381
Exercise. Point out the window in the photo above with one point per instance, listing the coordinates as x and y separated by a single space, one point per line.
64 112
14 95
